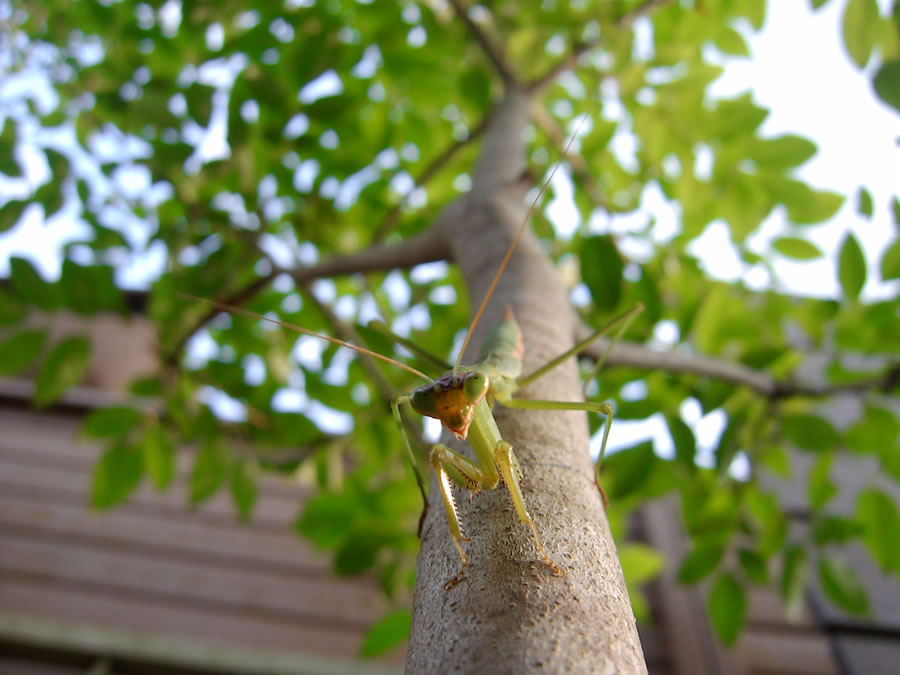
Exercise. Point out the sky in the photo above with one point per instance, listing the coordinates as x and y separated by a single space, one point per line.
797 69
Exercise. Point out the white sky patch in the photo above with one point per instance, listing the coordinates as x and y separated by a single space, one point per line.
327 84
717 255
224 406
428 272
288 400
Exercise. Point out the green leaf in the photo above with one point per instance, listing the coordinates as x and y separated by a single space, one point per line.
754 566
842 587
877 514
87 289
116 475
860 29
159 456
640 563
388 632
810 432
799 249
834 530
727 608
699 563
851 267
210 470
816 4
112 421
601 270
244 489
783 152
31 286
628 469
864 205
685 443
11 309
20 350
820 489
327 519
793 580
890 262
10 214
63 368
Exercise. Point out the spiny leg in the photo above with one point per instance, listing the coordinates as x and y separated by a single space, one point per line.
511 472
589 406
451 466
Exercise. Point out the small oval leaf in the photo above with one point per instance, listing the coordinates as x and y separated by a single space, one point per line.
851 267
63 368
727 608
799 249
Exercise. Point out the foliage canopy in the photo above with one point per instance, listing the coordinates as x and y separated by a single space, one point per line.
244 146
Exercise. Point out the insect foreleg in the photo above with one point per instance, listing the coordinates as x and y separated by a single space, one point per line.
511 472
395 409
589 406
451 466
621 322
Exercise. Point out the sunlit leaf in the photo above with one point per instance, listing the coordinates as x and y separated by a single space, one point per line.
20 350
727 607
799 249
116 475
860 29
111 421
851 267
877 514
209 472
63 368
388 632
159 456
842 586
244 489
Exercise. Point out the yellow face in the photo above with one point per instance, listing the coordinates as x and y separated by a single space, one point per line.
452 399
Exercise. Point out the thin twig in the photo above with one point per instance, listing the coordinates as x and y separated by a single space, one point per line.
425 247
582 171
568 61
492 52
392 217
630 354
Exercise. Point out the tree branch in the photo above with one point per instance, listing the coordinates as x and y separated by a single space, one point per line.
425 247
549 126
492 52
391 218
632 355
571 59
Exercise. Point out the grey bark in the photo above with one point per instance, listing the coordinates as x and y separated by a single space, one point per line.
510 614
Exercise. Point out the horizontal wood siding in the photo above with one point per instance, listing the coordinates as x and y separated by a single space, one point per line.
154 565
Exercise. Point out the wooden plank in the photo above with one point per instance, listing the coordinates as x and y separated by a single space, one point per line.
232 544
780 652
269 512
63 602
10 665
81 644
43 438
196 583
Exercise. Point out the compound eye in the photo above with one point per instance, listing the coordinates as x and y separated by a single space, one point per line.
475 386
423 403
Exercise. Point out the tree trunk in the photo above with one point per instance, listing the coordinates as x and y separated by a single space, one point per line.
510 614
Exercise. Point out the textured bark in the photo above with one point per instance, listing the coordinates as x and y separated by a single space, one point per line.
510 614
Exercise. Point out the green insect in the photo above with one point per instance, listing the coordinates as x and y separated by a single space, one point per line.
462 399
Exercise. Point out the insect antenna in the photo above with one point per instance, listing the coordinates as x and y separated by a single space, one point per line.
300 329
514 244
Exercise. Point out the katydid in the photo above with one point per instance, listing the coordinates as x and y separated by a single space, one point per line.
462 399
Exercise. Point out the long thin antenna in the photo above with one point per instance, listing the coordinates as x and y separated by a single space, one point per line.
300 329
515 243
